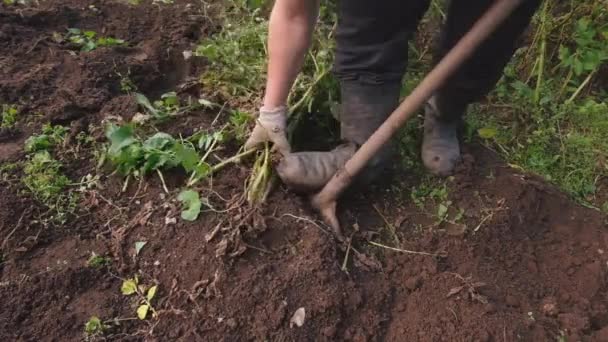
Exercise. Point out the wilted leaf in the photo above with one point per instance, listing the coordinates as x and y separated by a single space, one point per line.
191 203
151 292
143 101
138 246
142 311
487 132
129 287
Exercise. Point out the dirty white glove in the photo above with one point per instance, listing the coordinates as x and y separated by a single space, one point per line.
270 126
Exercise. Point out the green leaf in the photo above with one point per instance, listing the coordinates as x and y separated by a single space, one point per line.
143 101
170 99
93 326
442 211
151 292
138 246
129 287
159 141
186 156
191 203
487 132
38 143
142 311
120 137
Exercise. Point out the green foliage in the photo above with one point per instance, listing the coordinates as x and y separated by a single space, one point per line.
145 296
98 261
94 326
50 137
88 40
132 155
43 176
9 116
191 203
44 179
548 113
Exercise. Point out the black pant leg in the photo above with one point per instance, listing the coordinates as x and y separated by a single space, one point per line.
372 38
484 68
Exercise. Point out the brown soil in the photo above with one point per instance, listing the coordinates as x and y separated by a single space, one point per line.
523 264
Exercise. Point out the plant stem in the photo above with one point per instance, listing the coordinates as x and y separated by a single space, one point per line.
401 250
223 163
580 88
162 180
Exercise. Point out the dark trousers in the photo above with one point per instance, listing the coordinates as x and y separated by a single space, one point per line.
372 44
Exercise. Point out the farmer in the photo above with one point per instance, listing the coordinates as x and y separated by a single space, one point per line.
371 56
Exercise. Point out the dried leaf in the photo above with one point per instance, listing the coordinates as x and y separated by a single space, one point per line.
138 246
298 318
455 291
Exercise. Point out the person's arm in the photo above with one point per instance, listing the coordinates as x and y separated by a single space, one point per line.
290 29
289 34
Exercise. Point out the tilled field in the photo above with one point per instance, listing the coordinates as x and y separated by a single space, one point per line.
523 263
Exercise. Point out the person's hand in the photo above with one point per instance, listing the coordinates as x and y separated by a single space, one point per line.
270 127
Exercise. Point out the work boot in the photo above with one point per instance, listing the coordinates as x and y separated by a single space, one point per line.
308 172
440 147
364 108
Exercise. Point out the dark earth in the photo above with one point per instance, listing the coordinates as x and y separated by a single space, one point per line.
525 263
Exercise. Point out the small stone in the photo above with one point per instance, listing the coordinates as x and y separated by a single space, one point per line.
512 301
489 308
549 307
157 263
329 331
413 283
231 322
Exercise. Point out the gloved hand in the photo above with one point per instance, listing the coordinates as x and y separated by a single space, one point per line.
270 127
310 171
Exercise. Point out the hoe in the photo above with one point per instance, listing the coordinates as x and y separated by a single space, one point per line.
325 201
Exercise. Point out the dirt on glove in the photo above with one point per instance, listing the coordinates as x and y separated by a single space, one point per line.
523 263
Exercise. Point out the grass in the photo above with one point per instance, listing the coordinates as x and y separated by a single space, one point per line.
548 114
8 116
43 175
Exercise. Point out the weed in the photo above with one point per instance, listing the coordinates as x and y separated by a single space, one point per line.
131 155
549 117
145 296
88 40
94 326
98 261
50 137
6 169
9 116
44 179
43 176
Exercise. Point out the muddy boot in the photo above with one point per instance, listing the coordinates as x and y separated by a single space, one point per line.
308 172
440 146
364 108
